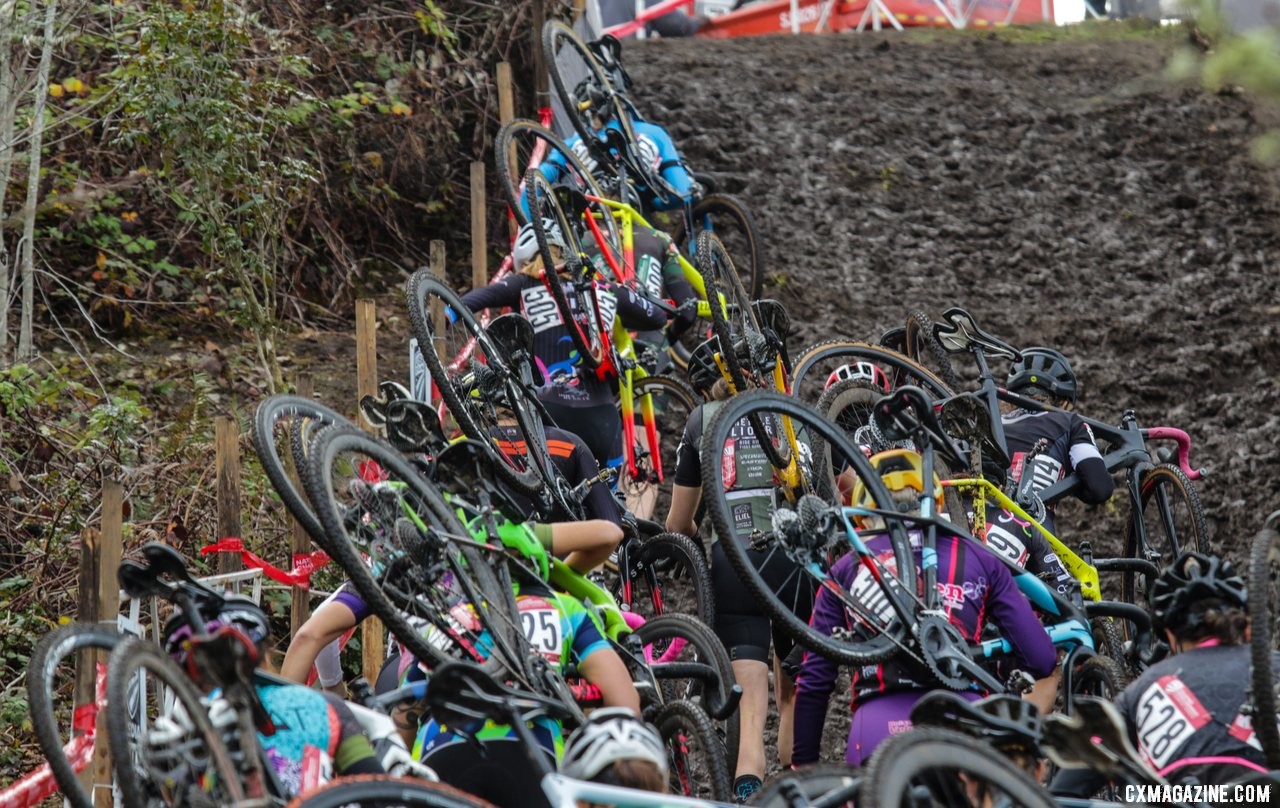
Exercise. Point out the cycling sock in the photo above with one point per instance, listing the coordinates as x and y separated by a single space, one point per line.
745 786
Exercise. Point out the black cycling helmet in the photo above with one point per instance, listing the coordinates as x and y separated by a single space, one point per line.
1046 369
1192 578
703 370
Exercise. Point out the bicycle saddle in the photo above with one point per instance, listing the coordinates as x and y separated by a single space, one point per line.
961 331
895 339
908 414
143 580
462 692
413 426
513 333
1093 737
1001 719
374 408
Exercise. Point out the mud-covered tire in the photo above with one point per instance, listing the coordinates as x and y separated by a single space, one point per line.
1264 567
922 344
697 762
905 369
1164 485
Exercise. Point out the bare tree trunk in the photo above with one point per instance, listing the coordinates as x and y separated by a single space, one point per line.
26 346
8 113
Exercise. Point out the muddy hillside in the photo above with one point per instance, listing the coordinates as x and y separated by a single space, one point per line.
1059 188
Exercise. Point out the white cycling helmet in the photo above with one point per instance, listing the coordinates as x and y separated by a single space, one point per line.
526 243
862 371
611 734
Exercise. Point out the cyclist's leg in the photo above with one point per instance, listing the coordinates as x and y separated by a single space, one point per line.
744 630
316 641
794 587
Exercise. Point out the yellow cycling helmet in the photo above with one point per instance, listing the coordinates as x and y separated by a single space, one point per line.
899 469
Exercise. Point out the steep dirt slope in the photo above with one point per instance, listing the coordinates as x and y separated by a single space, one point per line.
1061 190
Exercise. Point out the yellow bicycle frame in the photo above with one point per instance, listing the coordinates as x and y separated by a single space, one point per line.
1086 574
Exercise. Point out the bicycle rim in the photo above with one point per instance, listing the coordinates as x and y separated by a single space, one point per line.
570 62
811 368
831 785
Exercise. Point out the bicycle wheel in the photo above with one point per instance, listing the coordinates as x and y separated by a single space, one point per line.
832 785
423 563
936 766
585 91
1108 639
171 754
731 221
696 758
1170 519
924 348
783 569
272 422
674 644
1098 676
810 369
673 402
668 574
1264 596
432 303
386 791
50 675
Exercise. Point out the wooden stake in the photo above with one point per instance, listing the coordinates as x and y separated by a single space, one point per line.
438 320
226 441
507 113
579 8
299 541
479 236
371 639
540 78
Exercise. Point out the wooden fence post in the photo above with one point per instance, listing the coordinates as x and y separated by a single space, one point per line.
371 639
436 253
226 441
299 540
479 229
579 8
99 602
540 77
507 113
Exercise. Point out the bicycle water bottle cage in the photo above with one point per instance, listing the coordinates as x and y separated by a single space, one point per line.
961 332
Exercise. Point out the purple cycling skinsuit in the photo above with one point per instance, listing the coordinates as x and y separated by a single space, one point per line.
974 585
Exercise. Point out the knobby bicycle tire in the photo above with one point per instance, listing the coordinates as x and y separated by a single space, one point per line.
819 783
714 437
127 660
423 286
268 413
1161 481
52 650
386 791
555 31
926 751
920 340
848 405
1108 639
1264 565
665 557
581 316
1099 676
709 649
735 209
512 183
907 370
318 479
681 723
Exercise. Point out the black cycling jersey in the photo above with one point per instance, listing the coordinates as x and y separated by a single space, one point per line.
657 269
567 383
575 462
1018 541
1186 715
1070 444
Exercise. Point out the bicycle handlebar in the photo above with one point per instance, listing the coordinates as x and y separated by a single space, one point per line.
1183 440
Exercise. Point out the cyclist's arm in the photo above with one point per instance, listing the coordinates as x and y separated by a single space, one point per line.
501 294
585 544
600 665
680 290
328 623
817 673
636 313
1011 610
1096 484
670 165
686 493
355 753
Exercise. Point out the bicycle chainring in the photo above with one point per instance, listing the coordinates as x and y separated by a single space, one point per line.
944 651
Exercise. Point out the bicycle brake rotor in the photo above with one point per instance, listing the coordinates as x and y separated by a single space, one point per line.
943 650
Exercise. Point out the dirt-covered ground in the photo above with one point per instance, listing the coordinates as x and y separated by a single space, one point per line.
1058 187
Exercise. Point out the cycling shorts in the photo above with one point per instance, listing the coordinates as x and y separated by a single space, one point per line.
876 719
741 623
500 772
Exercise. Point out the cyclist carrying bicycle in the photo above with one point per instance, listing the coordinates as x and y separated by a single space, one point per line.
315 736
741 623
571 395
565 633
1191 716
973 585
